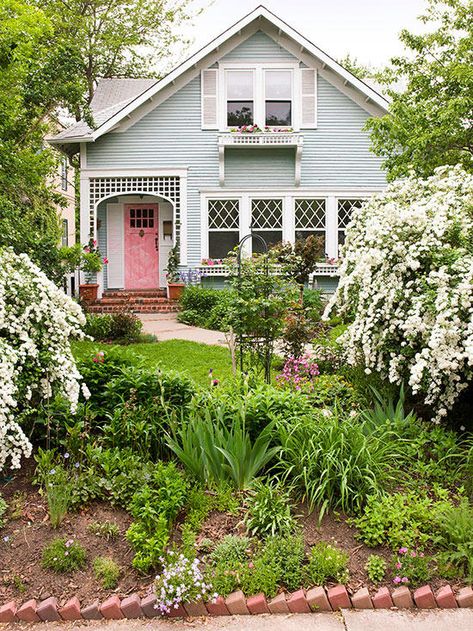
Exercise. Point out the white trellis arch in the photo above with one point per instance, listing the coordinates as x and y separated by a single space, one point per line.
97 187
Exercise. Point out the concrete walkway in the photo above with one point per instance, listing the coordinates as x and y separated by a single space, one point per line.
347 620
166 327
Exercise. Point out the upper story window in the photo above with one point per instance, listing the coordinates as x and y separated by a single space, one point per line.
65 232
240 97
278 97
64 166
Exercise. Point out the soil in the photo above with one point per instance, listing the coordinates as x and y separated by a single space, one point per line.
28 530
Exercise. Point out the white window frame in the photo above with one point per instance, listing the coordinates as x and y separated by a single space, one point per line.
288 212
259 91
292 99
310 198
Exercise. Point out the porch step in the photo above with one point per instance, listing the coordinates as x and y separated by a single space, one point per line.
134 293
160 307
137 301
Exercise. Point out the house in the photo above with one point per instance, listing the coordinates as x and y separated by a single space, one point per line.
168 162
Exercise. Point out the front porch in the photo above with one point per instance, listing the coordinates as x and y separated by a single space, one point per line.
138 301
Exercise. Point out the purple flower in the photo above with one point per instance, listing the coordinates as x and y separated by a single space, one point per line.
397 580
66 455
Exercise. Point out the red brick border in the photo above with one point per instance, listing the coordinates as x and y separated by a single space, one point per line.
300 601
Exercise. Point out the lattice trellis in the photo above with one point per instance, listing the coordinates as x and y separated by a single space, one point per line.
345 211
310 214
224 214
167 186
266 214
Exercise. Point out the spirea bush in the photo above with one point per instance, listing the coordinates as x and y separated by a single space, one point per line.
37 321
407 281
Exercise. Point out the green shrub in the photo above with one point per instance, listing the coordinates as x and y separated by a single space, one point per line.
454 534
214 453
288 553
98 326
106 529
148 546
313 301
400 519
333 390
3 510
106 571
332 462
269 511
63 556
327 563
207 308
232 549
375 568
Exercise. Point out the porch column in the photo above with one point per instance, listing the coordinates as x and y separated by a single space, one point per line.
331 228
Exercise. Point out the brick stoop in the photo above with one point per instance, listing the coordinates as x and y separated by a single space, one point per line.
143 301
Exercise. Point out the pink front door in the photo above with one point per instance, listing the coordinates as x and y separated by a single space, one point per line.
141 246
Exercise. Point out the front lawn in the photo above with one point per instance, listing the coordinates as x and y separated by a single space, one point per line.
190 358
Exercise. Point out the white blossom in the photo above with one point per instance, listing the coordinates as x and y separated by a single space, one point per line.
407 279
37 321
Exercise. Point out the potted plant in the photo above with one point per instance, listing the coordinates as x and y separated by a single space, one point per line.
91 263
173 277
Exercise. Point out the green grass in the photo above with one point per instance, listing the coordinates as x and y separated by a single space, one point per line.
190 358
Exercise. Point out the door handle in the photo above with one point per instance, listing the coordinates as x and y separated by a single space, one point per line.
156 243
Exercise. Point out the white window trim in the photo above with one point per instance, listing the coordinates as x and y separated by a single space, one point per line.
288 212
259 91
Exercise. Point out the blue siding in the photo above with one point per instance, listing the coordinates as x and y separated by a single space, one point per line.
259 47
336 154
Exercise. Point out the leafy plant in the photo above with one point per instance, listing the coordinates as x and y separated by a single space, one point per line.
3 510
327 563
412 566
375 568
454 534
148 545
399 519
106 529
58 491
212 452
107 571
63 556
232 549
331 461
385 411
269 511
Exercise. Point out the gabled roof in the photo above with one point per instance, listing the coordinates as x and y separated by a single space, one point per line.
116 99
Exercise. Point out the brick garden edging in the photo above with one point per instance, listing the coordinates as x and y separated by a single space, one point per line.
300 601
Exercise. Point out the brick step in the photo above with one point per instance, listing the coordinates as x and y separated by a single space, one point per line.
130 293
107 300
136 308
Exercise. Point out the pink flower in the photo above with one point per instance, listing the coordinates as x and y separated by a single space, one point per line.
413 554
397 580
251 565
398 565
402 550
404 579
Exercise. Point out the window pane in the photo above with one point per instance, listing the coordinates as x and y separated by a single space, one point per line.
301 235
345 210
221 243
266 213
239 85
224 214
272 237
278 84
278 113
310 214
239 113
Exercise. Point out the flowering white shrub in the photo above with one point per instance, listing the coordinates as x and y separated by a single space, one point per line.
407 280
36 322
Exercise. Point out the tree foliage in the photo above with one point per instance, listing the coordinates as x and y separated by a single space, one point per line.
430 123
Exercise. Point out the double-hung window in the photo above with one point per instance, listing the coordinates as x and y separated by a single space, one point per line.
310 219
266 221
224 226
278 97
240 97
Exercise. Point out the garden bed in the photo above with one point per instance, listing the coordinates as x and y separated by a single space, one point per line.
27 531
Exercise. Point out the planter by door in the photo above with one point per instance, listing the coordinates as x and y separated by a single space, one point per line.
175 290
88 292
141 246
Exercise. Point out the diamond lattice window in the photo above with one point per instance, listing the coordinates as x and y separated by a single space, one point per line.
223 214
345 212
310 219
224 226
266 214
